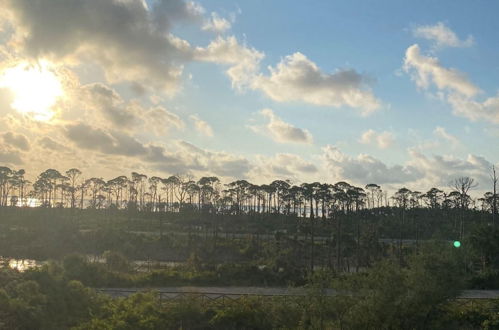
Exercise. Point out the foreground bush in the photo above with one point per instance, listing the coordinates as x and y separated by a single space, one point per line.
417 295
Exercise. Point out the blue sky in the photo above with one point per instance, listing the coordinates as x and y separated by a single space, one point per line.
371 37
397 92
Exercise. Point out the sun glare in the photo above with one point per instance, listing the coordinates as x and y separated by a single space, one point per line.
35 89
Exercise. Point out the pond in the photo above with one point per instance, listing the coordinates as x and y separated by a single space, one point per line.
20 264
140 265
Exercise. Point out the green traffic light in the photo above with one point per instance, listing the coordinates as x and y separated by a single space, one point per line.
457 244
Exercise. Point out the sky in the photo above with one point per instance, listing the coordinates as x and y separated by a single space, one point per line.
397 93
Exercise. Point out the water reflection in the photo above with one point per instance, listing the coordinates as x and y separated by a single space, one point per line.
139 265
19 264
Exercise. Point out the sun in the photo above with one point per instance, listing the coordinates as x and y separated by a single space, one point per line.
35 88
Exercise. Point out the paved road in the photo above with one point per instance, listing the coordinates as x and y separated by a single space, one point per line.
267 236
259 291
218 291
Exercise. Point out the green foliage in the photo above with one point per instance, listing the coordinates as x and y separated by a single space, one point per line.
245 314
43 299
116 261
140 311
21 305
393 297
194 262
188 313
484 242
471 314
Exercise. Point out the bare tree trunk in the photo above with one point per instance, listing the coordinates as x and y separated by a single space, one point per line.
494 196
312 252
401 234
338 245
358 244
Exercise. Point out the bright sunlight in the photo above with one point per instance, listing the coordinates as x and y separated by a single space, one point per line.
35 89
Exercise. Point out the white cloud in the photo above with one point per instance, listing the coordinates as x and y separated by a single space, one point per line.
441 35
281 131
454 86
179 157
216 24
243 61
382 140
283 166
106 108
201 126
162 120
296 78
108 104
108 142
365 169
443 134
425 70
418 172
440 170
205 162
474 110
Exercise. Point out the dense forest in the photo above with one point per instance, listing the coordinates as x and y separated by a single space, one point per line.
393 258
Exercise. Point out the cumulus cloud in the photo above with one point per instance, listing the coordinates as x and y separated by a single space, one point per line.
419 172
242 60
280 131
218 162
201 126
456 89
284 166
216 24
440 170
128 40
118 143
425 70
475 110
382 140
182 158
443 134
107 102
296 78
441 35
50 144
161 120
109 107
18 141
164 13
365 168
10 157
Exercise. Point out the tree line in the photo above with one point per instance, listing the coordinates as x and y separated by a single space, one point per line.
175 193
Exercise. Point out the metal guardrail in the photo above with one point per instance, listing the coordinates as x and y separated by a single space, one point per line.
231 294
204 296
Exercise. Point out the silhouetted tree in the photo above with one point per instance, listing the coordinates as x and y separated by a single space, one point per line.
73 174
462 186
